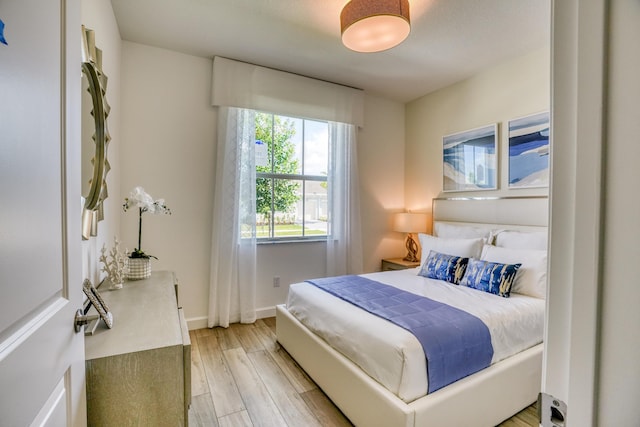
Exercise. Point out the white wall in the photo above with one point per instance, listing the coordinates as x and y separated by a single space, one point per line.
168 126
170 131
98 16
619 380
381 147
592 345
512 89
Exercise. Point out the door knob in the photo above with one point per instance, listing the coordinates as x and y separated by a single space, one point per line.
81 319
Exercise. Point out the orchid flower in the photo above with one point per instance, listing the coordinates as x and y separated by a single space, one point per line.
138 198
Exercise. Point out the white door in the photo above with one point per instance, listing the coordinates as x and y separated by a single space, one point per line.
41 356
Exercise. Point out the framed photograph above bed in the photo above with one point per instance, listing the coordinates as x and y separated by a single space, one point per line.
470 159
529 151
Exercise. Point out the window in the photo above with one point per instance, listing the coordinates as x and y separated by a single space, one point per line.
292 160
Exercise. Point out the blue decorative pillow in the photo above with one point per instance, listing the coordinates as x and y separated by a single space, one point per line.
491 277
444 267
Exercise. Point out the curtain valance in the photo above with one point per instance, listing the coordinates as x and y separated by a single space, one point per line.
243 85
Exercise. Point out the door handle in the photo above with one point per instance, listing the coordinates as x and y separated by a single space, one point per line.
81 319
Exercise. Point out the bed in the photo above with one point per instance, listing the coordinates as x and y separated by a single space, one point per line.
380 379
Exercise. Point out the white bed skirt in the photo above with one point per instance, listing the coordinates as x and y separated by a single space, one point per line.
485 398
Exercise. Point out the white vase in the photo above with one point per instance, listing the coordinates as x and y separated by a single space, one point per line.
139 268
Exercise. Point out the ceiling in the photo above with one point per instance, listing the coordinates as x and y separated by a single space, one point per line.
450 40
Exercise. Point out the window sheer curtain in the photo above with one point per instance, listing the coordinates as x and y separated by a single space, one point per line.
344 240
237 89
232 290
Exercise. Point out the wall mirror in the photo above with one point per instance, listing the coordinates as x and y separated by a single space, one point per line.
95 136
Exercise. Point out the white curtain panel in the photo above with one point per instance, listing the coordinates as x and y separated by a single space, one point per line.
344 240
232 289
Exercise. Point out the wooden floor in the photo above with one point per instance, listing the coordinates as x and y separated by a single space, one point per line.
240 377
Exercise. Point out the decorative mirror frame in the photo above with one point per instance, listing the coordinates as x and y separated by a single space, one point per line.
92 210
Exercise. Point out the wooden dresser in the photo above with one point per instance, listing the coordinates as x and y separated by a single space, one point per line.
139 372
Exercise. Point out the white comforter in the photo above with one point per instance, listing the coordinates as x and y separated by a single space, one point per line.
391 354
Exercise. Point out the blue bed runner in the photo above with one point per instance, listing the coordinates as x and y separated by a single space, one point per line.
455 343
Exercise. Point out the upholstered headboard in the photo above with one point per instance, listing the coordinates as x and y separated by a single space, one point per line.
515 213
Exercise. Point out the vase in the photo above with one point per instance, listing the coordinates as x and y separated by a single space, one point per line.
139 268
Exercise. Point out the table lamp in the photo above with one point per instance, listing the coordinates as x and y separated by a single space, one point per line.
410 222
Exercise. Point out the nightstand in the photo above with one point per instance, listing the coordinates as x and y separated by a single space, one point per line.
397 264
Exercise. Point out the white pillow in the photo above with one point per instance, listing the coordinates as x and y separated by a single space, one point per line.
531 278
521 239
468 248
453 231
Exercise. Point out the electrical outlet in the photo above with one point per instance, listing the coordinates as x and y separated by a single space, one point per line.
276 281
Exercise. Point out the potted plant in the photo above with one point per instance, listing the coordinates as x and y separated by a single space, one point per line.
139 265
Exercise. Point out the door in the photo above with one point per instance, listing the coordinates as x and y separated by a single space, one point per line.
41 356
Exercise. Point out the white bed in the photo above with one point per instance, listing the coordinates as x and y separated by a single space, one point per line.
380 380
393 356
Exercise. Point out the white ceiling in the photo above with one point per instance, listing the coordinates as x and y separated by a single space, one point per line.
450 40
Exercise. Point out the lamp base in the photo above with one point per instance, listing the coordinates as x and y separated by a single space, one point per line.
412 249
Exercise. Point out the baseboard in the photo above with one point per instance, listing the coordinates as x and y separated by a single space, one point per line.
201 322
197 323
265 312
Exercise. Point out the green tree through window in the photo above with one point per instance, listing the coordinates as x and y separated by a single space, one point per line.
289 201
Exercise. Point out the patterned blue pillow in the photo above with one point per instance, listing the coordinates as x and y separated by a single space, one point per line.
491 277
444 267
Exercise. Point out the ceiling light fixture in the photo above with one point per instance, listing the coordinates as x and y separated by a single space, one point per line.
373 26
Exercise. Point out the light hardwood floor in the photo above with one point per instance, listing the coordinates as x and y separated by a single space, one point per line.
241 377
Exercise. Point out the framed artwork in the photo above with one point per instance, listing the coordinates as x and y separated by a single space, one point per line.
96 300
529 151
470 159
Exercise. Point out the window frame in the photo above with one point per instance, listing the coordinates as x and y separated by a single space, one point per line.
302 177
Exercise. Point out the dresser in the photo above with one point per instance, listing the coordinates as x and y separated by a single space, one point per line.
139 372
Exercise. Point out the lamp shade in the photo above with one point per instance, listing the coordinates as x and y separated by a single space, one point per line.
373 26
410 222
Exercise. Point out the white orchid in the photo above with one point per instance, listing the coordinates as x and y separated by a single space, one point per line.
159 207
138 198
